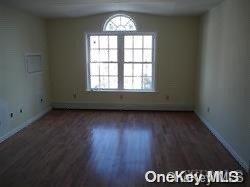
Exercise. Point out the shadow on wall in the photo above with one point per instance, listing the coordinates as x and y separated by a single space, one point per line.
3 116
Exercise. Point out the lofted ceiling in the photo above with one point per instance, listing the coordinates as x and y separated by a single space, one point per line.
77 8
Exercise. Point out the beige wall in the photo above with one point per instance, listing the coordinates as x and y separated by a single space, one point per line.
21 33
224 83
177 42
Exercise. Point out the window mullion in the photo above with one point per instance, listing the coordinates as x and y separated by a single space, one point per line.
120 60
153 62
99 85
88 82
108 63
142 62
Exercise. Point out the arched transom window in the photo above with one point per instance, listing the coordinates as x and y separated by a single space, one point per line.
120 58
119 22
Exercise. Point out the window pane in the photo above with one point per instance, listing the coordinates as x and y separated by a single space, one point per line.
113 42
94 42
104 82
147 82
147 69
137 69
103 42
147 55
137 55
130 26
113 55
116 20
128 42
121 28
94 56
94 82
113 82
128 83
124 20
113 69
138 42
104 69
94 68
147 43
137 82
110 27
128 54
103 55
127 69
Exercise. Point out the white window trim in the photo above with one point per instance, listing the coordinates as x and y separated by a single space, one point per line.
120 34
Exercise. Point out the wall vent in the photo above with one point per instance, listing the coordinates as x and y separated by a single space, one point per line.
33 62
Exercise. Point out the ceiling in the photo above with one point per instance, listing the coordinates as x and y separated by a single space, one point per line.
77 8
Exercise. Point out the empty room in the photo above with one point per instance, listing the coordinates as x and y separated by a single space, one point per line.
122 93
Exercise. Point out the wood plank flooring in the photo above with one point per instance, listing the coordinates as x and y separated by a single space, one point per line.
109 148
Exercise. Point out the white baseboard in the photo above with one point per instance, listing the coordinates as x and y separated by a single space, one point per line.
25 124
230 149
117 106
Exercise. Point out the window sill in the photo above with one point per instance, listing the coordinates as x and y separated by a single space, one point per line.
124 91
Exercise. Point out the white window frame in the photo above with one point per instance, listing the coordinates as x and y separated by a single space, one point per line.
120 56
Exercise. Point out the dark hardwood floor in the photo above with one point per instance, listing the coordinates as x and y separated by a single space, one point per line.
109 148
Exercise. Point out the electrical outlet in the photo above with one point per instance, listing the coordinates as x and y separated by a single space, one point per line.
121 97
208 109
167 97
41 100
11 115
21 110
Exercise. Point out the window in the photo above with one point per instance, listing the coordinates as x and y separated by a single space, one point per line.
103 62
120 60
119 22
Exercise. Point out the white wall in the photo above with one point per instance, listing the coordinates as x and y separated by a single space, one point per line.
223 83
21 33
177 44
